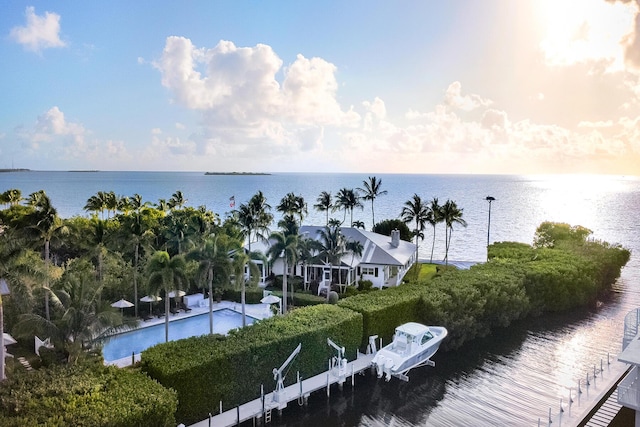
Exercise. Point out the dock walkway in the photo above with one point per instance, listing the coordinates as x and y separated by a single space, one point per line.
299 391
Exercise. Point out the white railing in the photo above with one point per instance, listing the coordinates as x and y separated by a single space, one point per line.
631 322
629 390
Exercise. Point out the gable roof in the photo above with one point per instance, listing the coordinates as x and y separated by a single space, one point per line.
377 247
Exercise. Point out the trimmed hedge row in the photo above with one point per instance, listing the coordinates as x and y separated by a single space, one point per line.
86 396
208 369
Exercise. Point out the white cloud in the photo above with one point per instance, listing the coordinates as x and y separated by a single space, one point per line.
447 142
455 99
180 126
243 103
53 124
40 32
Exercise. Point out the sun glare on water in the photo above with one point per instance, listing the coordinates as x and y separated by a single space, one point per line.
577 199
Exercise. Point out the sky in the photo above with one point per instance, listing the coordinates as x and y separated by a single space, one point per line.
462 86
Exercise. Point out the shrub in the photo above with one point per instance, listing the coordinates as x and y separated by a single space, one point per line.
86 395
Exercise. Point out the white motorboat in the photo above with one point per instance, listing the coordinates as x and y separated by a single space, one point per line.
413 345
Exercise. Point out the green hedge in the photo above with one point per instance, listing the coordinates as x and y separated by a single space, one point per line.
206 370
85 396
384 310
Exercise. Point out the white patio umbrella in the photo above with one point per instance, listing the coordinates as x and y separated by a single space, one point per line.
122 304
174 294
272 299
150 299
8 339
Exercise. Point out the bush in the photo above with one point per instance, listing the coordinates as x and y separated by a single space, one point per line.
85 395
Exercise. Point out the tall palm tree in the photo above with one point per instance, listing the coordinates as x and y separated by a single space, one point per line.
213 259
242 261
331 248
168 274
348 199
356 248
324 204
97 203
293 205
451 215
111 202
415 211
137 230
283 246
47 225
254 217
434 217
372 190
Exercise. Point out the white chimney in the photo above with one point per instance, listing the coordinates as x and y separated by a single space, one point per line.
395 238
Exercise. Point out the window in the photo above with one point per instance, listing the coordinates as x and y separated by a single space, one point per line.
368 270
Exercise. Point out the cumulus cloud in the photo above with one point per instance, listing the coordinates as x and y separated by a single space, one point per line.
455 99
248 97
445 140
40 32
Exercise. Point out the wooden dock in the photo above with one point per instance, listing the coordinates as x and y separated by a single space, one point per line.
298 392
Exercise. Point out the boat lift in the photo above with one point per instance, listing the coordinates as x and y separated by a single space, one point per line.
278 393
339 362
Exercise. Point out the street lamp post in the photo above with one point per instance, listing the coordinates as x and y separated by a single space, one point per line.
489 199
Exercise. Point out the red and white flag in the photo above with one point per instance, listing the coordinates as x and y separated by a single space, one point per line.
232 201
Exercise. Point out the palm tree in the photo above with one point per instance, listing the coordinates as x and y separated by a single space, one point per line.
254 217
177 200
331 248
293 205
283 246
324 204
356 248
348 199
242 261
371 190
434 217
451 215
82 315
358 224
415 210
111 202
47 226
137 230
213 259
166 273
97 203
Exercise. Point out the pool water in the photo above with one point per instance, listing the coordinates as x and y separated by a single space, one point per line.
122 345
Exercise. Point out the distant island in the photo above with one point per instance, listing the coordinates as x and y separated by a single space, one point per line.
87 170
236 173
15 170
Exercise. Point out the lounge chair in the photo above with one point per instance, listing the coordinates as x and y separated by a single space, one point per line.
184 307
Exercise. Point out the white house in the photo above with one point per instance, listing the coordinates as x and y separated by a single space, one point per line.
384 260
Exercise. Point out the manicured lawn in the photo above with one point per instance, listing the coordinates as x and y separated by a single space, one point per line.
421 272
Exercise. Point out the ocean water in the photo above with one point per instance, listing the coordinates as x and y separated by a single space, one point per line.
511 378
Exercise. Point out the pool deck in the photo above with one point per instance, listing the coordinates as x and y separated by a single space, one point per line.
258 311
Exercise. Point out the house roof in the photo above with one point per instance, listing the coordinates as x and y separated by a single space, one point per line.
377 248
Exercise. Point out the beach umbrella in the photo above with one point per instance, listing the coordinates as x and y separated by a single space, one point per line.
150 299
122 304
174 294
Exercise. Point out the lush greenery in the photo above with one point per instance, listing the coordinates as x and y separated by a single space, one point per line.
82 395
206 370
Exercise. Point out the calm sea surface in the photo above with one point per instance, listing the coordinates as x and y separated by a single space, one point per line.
510 378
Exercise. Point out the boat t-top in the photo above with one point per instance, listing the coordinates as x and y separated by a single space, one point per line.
413 345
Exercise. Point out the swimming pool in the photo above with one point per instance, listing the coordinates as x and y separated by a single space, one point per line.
122 345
